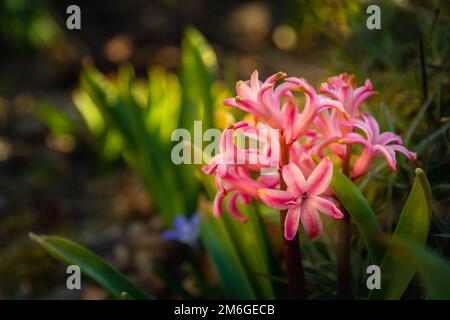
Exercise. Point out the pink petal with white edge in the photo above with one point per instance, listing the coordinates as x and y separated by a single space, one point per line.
275 198
295 180
388 137
311 221
233 207
325 206
320 178
388 153
409 154
217 206
290 112
291 223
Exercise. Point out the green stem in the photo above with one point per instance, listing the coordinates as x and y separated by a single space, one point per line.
293 258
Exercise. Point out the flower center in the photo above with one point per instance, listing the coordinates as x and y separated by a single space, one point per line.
304 195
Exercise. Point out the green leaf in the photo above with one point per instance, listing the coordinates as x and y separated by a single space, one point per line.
413 225
55 119
361 212
198 71
433 270
255 251
221 249
90 264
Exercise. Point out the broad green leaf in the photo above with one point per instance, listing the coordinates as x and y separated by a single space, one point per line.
93 266
361 212
255 251
433 270
198 71
221 249
249 243
413 225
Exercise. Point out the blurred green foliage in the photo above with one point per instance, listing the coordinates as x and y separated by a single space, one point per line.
132 119
28 24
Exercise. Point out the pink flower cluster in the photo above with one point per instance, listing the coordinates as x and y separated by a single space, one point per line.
288 138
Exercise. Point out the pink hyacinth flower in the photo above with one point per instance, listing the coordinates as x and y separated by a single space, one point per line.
264 101
343 89
231 167
295 123
238 183
386 143
303 199
254 159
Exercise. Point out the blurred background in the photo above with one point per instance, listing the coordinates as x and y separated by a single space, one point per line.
54 179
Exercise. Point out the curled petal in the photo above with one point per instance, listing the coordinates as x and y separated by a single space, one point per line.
294 178
291 222
290 113
311 221
388 153
320 178
388 137
217 206
364 127
325 103
275 198
233 206
409 154
351 138
373 124
325 206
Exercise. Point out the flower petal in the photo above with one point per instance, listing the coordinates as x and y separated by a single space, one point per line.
290 113
170 235
388 137
311 221
291 222
294 178
362 163
275 198
217 206
325 206
320 178
409 154
180 222
373 124
233 207
388 153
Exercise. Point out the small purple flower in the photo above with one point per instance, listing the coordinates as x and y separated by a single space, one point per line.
186 230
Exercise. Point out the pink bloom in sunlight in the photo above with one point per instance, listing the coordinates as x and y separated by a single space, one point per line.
286 137
303 198
259 99
386 143
342 88
237 182
255 159
264 101
232 166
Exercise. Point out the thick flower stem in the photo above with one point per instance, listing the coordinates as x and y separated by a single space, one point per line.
292 253
344 244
